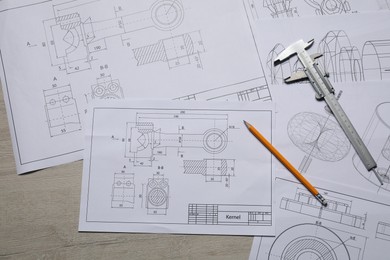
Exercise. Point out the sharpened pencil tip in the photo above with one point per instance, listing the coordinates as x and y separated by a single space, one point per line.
246 124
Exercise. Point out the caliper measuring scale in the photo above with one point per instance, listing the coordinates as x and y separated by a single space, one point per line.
325 91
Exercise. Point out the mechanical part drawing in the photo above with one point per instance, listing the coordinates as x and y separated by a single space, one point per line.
61 111
214 170
350 228
338 211
319 137
145 139
157 195
340 58
176 51
326 7
181 167
222 214
376 60
107 88
383 231
280 8
378 125
123 191
72 40
251 90
308 241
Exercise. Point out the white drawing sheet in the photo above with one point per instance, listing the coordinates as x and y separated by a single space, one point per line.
312 140
354 47
177 167
355 225
57 56
265 9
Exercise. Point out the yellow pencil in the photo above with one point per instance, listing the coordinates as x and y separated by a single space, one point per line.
287 164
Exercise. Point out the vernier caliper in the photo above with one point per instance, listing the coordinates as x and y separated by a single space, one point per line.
325 91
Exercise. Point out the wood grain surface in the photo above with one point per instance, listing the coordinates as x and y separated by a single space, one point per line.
39 220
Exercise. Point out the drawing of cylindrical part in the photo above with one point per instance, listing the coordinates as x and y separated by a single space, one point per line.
377 140
176 50
213 169
340 59
376 60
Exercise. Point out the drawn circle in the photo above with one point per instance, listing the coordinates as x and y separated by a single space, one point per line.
157 197
167 15
99 91
113 87
318 136
214 141
306 242
65 99
152 183
163 184
128 183
52 102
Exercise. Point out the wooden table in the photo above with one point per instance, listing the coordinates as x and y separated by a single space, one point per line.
39 220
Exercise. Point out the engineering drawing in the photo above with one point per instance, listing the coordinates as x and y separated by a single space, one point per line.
251 90
61 111
318 136
157 195
145 139
214 170
383 231
326 7
176 51
376 60
123 191
314 241
280 8
338 210
222 214
340 58
107 88
72 40
378 126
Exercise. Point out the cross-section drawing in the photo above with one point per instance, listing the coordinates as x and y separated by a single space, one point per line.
107 88
176 51
319 137
61 111
123 191
309 241
145 139
383 231
157 195
378 126
338 210
214 170
222 214
72 39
